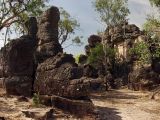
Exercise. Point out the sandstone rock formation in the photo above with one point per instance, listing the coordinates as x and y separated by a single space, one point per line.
82 59
57 73
36 63
93 40
121 37
19 59
17 63
143 79
48 44
89 71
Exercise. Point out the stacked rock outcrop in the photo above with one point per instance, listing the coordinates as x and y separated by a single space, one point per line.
95 73
48 44
57 73
17 63
124 37
122 32
93 40
36 63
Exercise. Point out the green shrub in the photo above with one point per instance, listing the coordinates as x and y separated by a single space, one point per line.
141 51
77 58
97 55
36 100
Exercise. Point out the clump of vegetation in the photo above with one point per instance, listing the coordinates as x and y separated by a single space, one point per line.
155 2
141 52
112 12
67 27
152 30
77 59
36 100
97 55
16 12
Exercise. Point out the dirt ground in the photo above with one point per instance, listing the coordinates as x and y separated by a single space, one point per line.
12 109
112 105
126 105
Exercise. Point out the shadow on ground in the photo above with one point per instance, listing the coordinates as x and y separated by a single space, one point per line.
113 94
105 113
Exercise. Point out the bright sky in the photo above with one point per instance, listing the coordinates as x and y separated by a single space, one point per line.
83 11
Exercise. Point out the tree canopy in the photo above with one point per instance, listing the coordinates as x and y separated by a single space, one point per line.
17 11
155 2
152 26
67 27
112 12
97 54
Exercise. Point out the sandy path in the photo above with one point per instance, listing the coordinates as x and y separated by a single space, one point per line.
126 105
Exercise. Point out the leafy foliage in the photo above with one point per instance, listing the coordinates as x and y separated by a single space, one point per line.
78 40
17 11
67 27
77 58
152 29
97 54
36 100
155 2
141 51
152 26
112 12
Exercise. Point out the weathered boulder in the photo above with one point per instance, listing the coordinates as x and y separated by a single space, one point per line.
82 59
19 85
130 28
19 66
143 79
90 71
121 33
17 63
57 73
55 76
156 65
83 107
93 40
97 84
31 26
87 49
1 82
38 62
19 56
48 44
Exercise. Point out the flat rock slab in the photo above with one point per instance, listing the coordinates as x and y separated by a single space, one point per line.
77 107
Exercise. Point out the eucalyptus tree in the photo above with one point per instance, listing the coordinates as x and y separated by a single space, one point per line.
152 30
155 2
67 27
112 13
16 12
